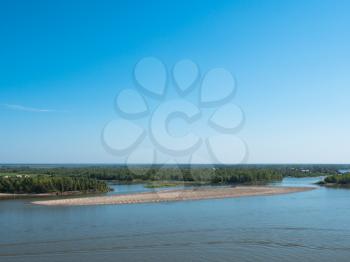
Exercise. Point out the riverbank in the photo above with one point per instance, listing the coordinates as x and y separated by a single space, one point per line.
175 195
333 185
4 196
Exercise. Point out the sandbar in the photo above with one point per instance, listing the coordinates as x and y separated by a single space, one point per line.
175 195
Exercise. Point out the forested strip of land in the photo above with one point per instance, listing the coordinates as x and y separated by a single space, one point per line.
50 184
338 179
27 179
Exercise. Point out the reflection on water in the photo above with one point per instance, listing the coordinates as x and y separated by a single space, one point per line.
307 226
292 181
138 188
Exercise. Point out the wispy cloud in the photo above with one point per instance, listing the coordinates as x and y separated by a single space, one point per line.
29 109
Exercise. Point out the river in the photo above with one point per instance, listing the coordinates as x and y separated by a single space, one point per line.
307 226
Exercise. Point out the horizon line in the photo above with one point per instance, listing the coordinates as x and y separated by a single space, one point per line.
157 164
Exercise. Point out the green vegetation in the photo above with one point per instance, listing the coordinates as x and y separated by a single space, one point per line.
35 179
218 175
50 184
341 180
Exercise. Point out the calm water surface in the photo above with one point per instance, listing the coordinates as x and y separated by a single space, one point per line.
308 226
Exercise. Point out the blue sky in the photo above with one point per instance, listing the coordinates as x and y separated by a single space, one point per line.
63 63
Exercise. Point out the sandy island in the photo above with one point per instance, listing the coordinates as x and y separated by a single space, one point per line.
175 195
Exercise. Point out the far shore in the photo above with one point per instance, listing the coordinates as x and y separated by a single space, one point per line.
175 195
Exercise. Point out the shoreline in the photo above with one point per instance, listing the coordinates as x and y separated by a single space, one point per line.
334 185
9 196
175 195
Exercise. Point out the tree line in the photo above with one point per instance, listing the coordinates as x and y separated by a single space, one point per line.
338 179
50 184
94 178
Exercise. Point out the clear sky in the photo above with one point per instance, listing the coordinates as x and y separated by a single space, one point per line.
63 62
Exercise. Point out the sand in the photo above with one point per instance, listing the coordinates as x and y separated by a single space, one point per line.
174 195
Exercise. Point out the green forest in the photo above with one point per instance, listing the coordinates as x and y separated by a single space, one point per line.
29 179
50 184
338 179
